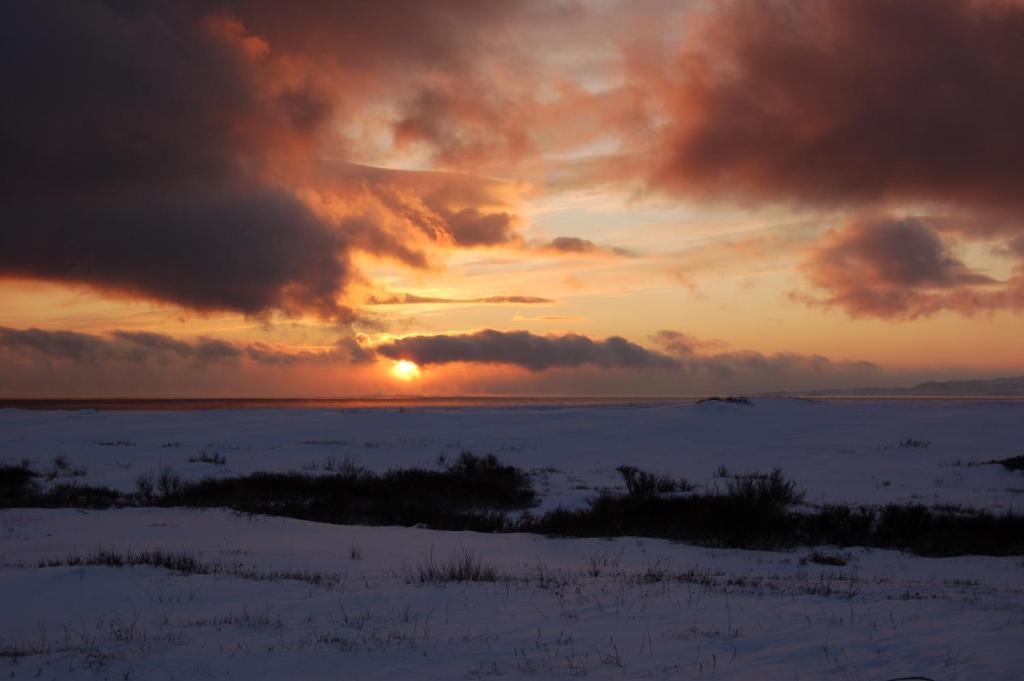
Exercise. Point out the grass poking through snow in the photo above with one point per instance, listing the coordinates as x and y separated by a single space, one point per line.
463 567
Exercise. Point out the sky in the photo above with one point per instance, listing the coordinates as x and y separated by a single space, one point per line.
527 197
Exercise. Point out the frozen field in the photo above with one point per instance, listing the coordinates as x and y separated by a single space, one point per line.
278 598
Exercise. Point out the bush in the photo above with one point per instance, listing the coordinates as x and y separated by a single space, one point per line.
820 558
1014 463
77 496
727 400
168 483
754 513
644 484
470 494
714 518
770 493
144 487
15 484
217 459
61 467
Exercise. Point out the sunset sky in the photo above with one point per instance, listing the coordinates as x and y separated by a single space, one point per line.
593 197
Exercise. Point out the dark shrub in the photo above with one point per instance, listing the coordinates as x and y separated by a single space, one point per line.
78 496
216 458
15 484
771 493
1014 463
468 495
821 558
727 400
640 483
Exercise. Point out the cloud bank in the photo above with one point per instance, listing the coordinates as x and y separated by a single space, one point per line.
141 347
58 363
524 349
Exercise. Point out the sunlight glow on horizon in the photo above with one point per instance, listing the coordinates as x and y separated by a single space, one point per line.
405 370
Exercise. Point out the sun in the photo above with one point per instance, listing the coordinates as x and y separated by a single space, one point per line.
404 370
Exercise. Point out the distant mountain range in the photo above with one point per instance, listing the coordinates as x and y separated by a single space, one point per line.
989 387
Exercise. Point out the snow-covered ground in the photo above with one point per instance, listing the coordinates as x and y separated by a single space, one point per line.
352 606
839 451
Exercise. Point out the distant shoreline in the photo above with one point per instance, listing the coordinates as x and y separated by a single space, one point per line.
198 404
247 403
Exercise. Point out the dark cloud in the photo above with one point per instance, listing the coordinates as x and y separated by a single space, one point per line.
526 350
249 252
707 361
518 300
143 146
900 269
470 227
578 246
138 347
202 349
155 341
65 345
572 244
683 365
53 362
850 101
896 252
413 299
133 139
